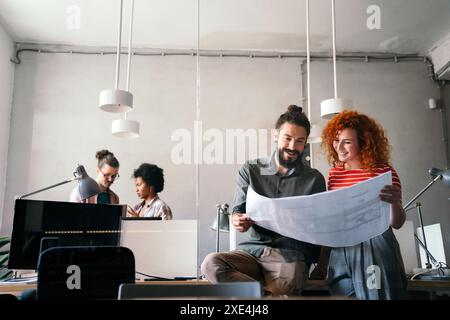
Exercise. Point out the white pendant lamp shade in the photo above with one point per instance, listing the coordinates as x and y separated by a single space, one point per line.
331 107
124 128
121 101
115 100
315 135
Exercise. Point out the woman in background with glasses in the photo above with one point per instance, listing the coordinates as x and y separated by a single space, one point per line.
107 172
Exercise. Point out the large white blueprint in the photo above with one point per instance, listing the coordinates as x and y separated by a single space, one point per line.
338 218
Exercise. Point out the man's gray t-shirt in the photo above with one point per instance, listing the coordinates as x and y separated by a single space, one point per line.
262 176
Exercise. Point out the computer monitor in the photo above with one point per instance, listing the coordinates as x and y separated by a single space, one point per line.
162 249
39 225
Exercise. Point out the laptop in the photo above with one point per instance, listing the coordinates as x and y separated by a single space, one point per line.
164 249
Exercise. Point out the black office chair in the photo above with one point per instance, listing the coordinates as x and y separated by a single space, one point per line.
7 297
84 272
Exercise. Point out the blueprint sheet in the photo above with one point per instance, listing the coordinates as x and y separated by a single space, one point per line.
338 218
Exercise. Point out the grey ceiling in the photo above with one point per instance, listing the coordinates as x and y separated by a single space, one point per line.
407 26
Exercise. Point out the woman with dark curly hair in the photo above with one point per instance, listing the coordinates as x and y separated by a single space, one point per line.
149 180
358 150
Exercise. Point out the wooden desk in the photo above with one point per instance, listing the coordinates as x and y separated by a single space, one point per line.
431 286
18 288
15 289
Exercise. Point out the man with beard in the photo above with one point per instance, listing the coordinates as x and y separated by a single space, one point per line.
280 263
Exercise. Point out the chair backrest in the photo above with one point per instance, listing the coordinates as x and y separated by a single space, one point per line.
189 290
84 272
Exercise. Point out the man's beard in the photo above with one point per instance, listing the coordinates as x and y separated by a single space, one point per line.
289 163
106 184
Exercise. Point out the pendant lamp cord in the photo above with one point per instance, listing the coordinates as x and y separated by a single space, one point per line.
334 49
130 39
308 86
119 43
130 53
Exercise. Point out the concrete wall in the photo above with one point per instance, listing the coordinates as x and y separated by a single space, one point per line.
56 123
6 88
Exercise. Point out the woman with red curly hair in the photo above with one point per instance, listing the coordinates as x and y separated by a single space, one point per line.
358 150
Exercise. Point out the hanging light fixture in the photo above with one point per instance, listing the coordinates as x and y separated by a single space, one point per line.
121 101
125 128
331 107
116 100
315 134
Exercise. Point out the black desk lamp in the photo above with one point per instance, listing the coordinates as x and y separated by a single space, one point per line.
87 186
436 174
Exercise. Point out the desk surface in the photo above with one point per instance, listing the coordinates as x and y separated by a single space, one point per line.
16 288
413 285
428 284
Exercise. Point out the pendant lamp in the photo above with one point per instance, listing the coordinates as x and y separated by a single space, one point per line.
125 128
333 106
116 100
121 101
315 134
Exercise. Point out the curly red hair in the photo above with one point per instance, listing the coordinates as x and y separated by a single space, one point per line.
373 144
